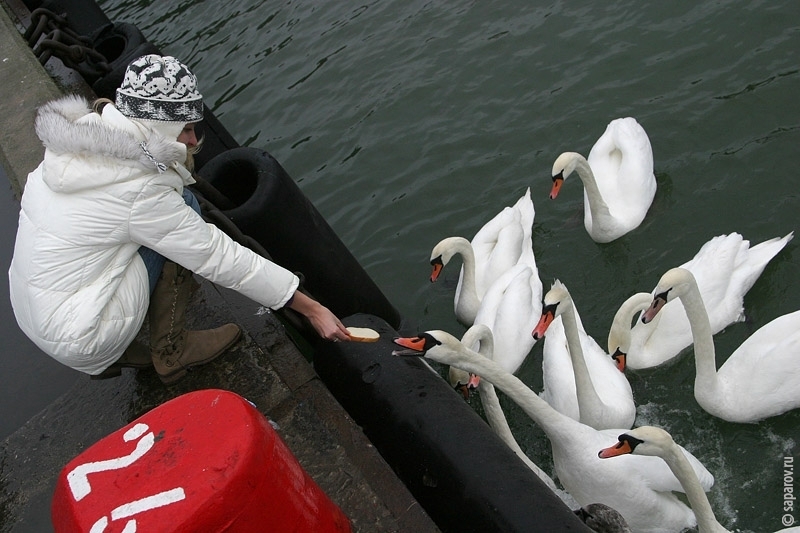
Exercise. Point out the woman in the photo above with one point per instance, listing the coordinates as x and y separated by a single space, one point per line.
108 235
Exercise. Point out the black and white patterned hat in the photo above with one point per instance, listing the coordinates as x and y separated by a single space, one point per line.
160 88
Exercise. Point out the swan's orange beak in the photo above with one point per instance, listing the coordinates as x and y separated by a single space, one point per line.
548 315
626 444
437 266
412 345
620 448
619 358
558 181
659 301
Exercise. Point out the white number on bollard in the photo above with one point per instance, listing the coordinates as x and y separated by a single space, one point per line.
139 506
78 480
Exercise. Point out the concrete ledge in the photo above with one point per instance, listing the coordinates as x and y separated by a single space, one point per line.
25 87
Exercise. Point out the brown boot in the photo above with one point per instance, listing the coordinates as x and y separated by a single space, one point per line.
135 356
175 350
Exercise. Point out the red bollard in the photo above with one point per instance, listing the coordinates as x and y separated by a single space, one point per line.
206 461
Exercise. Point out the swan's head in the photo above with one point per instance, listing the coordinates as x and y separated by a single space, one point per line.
444 251
644 440
438 346
620 358
463 381
425 342
619 336
564 166
673 284
556 301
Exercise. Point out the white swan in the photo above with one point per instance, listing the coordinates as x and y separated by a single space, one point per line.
725 268
640 490
480 336
655 442
580 379
501 243
618 180
760 379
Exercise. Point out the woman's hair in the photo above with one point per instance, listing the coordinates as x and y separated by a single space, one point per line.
189 164
100 103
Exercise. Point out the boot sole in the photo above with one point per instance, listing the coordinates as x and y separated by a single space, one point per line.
172 377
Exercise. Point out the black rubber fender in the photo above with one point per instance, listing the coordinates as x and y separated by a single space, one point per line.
119 43
268 206
465 477
84 18
216 139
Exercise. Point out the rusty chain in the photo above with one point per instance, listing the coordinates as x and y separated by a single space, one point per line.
50 35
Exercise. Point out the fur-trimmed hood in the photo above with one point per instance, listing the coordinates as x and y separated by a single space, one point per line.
73 133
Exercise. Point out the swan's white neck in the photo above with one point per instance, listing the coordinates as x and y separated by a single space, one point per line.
704 352
468 295
597 204
559 427
680 466
590 406
491 403
619 335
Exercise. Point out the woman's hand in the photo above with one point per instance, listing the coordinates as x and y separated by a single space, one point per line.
326 324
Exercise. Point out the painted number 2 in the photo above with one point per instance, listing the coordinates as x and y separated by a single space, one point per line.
78 480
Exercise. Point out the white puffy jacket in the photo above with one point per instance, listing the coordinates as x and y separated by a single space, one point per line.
79 288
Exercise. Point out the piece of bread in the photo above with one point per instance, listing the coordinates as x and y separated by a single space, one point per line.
363 334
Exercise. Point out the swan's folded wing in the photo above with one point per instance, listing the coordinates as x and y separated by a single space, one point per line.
497 247
487 235
624 151
510 310
769 362
713 266
754 260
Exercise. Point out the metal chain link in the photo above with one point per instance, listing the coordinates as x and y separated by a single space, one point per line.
50 35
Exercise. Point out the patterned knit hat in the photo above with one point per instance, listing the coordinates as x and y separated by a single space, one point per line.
160 88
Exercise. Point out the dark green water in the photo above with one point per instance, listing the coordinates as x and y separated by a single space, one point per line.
406 122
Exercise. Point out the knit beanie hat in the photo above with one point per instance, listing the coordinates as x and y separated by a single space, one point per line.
161 92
